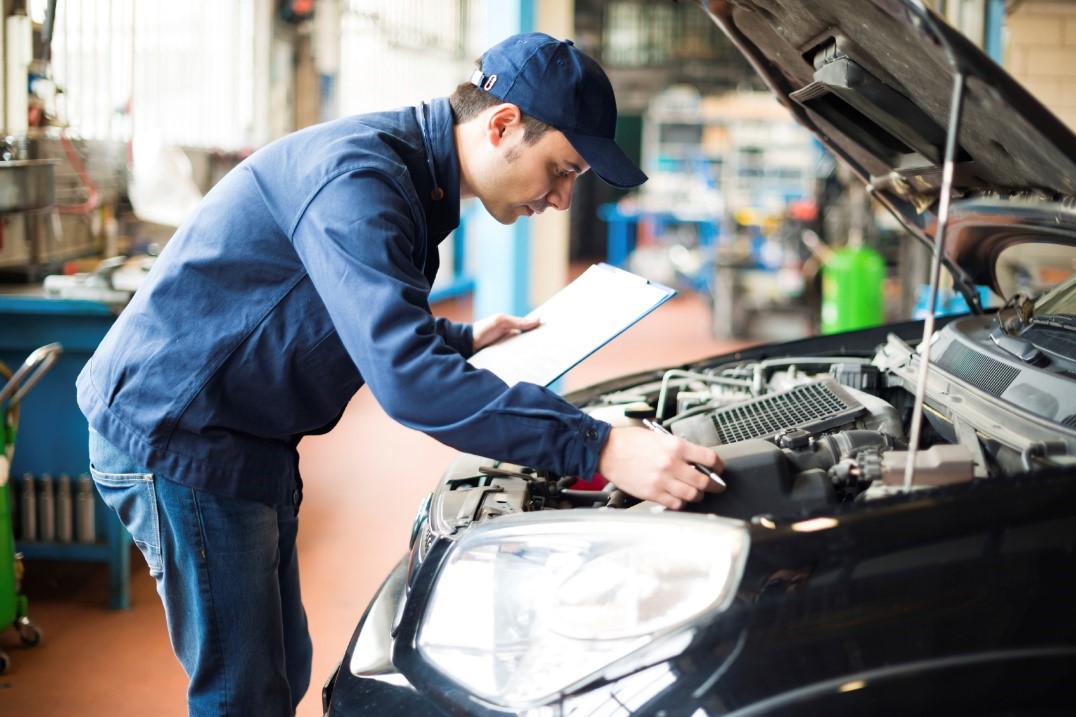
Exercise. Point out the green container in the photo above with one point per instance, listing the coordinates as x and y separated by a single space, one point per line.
13 603
853 290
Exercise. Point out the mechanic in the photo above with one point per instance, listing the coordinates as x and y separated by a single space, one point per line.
303 274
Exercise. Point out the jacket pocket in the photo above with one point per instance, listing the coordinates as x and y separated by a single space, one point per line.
134 498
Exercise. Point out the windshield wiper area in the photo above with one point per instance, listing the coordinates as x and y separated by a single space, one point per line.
1009 321
1055 321
1016 346
1017 313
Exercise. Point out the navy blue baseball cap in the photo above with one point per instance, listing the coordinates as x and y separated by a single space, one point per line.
554 81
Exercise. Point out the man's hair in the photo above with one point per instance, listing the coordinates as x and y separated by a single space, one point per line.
468 101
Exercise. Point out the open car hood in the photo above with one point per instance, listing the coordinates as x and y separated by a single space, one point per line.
874 81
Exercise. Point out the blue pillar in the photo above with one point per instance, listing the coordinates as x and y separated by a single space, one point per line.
502 278
995 23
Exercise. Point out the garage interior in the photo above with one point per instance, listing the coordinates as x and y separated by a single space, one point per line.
141 107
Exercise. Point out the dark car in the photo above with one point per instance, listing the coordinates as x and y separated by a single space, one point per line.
898 536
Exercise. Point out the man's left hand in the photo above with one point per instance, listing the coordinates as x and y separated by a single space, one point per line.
492 329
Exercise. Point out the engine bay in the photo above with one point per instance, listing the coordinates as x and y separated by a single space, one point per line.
800 434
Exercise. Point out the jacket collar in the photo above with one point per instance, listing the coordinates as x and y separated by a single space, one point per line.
439 185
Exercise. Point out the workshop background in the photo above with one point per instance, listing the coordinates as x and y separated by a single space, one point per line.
119 115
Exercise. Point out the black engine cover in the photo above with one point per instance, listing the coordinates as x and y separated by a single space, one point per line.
762 481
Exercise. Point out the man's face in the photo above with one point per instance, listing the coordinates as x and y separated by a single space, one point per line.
523 179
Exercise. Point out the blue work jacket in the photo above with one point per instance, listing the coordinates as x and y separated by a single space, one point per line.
303 274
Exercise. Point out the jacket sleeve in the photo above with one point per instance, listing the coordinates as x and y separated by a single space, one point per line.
459 336
357 239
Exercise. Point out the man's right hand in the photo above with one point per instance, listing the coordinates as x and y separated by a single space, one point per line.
657 467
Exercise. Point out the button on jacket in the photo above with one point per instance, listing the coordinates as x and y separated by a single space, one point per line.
303 274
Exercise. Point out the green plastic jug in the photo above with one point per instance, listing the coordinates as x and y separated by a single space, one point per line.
853 289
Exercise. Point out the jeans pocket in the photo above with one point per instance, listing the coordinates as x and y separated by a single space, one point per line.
134 498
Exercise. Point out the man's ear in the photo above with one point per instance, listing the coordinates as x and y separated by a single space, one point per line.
502 120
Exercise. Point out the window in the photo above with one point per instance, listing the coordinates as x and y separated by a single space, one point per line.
184 70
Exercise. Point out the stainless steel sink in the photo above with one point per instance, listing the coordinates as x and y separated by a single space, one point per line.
27 185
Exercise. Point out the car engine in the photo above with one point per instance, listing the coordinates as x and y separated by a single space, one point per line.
802 434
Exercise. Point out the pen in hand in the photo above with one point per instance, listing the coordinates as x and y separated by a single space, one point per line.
705 470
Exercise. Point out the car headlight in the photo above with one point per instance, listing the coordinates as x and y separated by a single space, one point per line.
527 606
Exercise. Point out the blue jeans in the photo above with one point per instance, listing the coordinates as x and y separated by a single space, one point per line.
227 571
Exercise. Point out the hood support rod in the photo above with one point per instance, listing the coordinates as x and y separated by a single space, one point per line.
956 109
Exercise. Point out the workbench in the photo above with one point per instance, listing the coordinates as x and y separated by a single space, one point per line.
52 434
622 234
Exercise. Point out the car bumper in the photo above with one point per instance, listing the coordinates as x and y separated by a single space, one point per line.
365 681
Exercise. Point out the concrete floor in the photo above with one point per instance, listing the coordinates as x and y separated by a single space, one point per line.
364 482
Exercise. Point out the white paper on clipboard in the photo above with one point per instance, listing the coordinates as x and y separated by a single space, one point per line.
575 322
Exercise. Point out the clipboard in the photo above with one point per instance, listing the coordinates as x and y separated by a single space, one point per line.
588 313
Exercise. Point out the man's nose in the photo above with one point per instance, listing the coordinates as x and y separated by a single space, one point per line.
560 196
